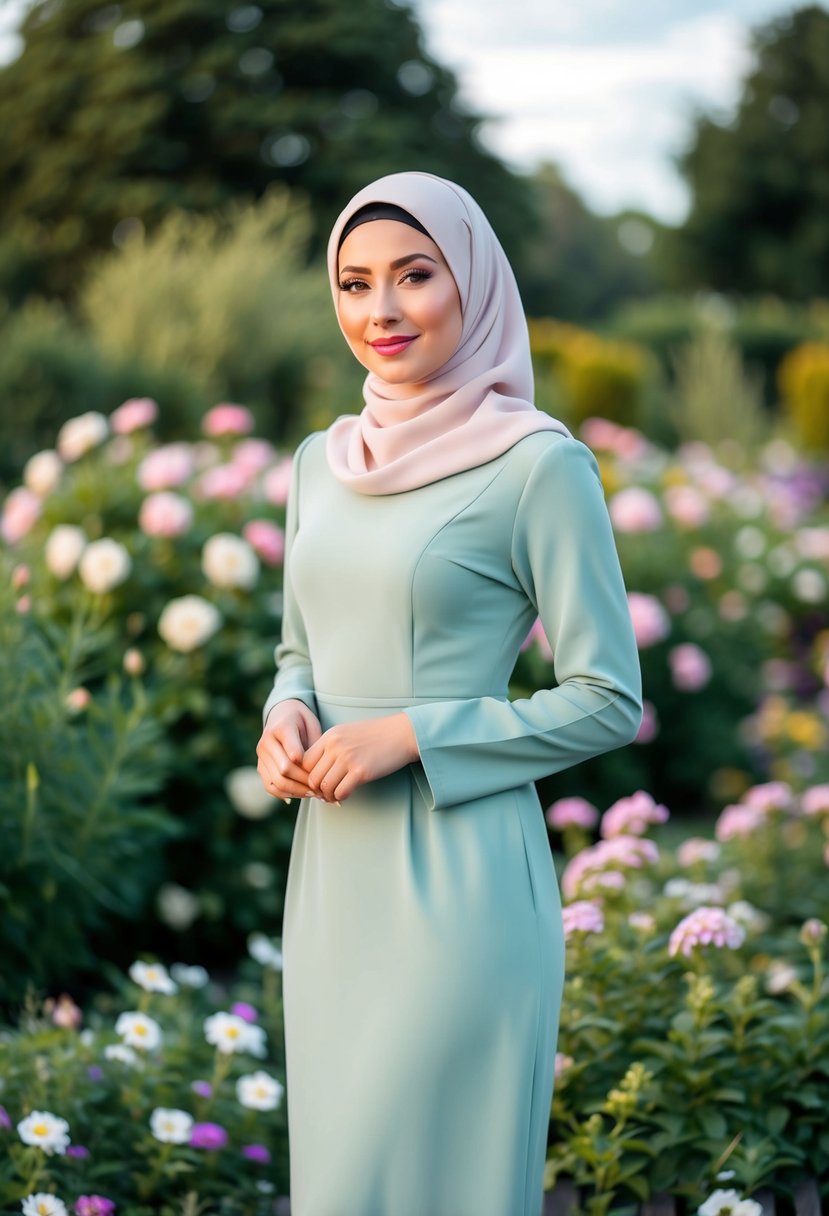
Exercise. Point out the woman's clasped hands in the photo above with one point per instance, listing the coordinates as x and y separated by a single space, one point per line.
297 759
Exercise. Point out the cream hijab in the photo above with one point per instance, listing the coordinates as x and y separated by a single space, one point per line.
479 403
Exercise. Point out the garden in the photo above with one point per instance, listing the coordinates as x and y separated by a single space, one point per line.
166 340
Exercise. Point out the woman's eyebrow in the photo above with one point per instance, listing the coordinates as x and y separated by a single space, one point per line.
395 265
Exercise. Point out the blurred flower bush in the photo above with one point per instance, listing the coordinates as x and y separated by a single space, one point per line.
694 1041
163 563
728 576
154 1101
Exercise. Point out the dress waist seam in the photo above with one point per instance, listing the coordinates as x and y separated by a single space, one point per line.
327 698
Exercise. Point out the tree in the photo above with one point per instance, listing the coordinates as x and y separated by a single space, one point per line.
759 220
114 113
579 266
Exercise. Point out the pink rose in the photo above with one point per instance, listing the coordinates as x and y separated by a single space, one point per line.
632 816
276 483
224 481
134 414
166 467
165 514
267 539
651 622
608 436
687 506
815 801
252 455
21 510
635 509
690 667
227 420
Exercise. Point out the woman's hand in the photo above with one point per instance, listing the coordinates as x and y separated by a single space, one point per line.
290 729
353 753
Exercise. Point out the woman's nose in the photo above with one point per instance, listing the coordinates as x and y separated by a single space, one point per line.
385 306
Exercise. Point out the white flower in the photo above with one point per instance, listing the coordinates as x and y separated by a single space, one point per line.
780 976
139 1030
79 435
46 1131
171 1126
87 1037
247 793
188 622
44 1204
63 550
42 472
259 1091
104 564
263 951
729 1203
189 977
123 1054
230 1034
229 561
152 977
177 906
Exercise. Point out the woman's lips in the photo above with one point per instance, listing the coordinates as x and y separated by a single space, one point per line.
392 346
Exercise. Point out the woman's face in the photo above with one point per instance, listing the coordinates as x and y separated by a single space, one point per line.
398 303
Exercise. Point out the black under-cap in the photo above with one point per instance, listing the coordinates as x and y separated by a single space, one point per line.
380 211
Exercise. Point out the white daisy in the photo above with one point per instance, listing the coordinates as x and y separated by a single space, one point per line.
171 1126
259 1091
122 1053
230 1034
138 1030
263 950
43 1204
46 1131
152 977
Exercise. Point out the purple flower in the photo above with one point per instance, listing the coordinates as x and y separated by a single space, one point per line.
244 1011
257 1152
78 1150
208 1135
5 1119
203 1088
95 1073
94 1205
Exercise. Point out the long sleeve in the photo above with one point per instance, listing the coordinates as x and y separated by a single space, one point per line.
294 674
564 556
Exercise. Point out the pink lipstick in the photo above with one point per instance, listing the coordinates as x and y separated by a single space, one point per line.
392 346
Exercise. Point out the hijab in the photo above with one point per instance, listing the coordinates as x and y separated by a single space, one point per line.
479 403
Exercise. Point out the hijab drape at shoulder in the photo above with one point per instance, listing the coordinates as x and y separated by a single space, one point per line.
479 403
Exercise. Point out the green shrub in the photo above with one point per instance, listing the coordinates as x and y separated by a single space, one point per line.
597 377
227 300
79 779
714 400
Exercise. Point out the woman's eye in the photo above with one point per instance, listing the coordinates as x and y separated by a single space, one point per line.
417 276
352 285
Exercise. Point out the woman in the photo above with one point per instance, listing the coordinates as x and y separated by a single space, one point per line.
422 936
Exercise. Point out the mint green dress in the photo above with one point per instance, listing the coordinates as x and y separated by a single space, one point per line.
422 937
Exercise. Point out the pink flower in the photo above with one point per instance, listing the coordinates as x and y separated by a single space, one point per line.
771 796
635 509
94 1205
602 881
258 1153
686 506
649 726
77 700
562 1063
690 667
705 563
643 922
705 927
815 801
134 662
608 436
227 420
244 1011
208 1135
222 481
276 483
267 539
539 637
632 816
66 1014
21 576
737 821
696 849
651 622
133 415
625 852
253 455
166 467
21 511
203 1088
165 514
572 812
581 917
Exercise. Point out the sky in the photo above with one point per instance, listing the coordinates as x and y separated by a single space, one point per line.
605 89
